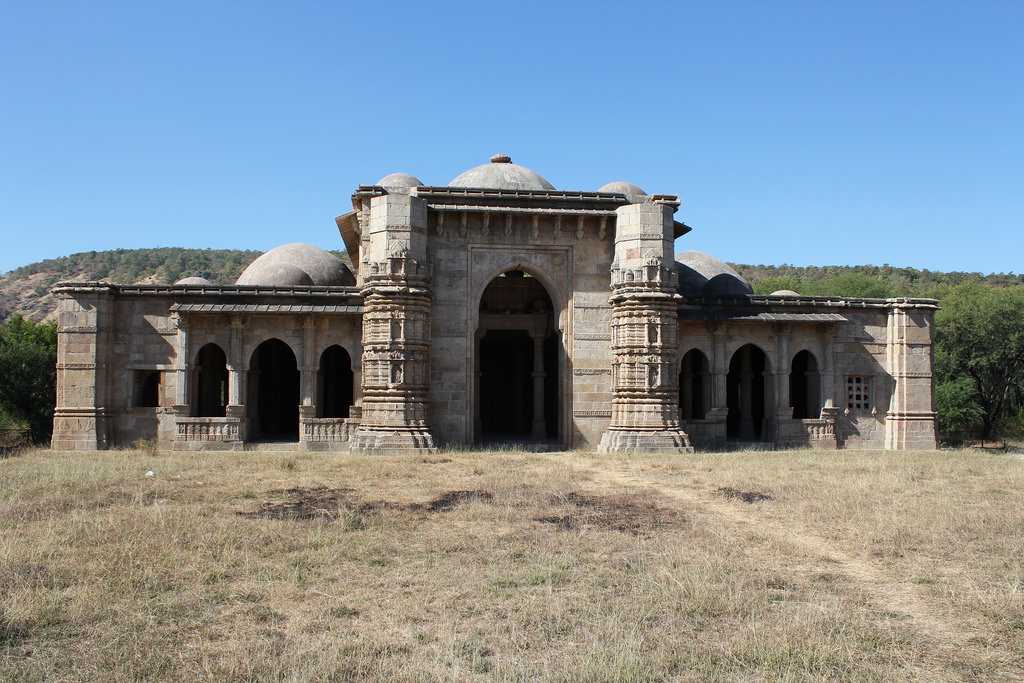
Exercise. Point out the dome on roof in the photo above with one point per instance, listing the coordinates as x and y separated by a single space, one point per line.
296 264
634 193
399 181
193 280
703 275
784 292
501 174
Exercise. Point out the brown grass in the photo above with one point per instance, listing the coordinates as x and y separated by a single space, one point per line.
511 566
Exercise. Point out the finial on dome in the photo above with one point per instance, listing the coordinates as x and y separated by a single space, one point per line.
501 159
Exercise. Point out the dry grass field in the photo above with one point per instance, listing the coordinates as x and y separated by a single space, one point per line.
511 566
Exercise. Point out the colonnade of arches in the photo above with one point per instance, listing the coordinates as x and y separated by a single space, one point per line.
750 397
272 388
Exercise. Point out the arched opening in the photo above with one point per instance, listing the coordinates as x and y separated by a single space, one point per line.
334 383
211 392
745 394
517 362
804 386
693 383
274 383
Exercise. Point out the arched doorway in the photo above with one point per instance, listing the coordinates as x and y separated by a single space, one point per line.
274 386
334 383
804 386
211 387
693 376
517 362
746 390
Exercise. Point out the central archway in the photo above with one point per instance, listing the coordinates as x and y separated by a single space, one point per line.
274 382
517 362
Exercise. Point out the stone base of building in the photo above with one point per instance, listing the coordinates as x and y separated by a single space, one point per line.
79 429
911 431
645 441
369 440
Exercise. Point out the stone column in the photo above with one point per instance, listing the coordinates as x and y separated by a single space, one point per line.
910 421
396 328
540 429
478 425
236 376
307 375
645 321
181 367
84 324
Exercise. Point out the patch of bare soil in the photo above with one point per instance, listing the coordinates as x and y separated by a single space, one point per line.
427 460
629 514
327 504
745 496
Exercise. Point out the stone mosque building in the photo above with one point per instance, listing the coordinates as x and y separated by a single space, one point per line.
495 309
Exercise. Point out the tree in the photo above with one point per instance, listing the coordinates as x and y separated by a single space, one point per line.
28 359
980 339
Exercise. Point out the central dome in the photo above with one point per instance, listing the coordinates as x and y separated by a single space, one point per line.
501 174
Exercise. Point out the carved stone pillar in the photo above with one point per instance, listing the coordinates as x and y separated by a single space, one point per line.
396 328
84 325
828 392
910 421
540 428
645 320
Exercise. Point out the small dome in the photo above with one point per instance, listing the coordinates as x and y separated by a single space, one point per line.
703 275
784 292
501 174
633 193
277 268
394 181
193 280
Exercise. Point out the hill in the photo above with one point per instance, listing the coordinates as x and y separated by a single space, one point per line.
26 290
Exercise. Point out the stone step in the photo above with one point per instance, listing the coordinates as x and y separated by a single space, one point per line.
272 446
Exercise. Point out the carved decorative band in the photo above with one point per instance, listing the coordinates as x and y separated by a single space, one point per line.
592 337
91 329
592 413
76 366
592 371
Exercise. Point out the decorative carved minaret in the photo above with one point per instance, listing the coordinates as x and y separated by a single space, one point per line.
645 320
396 328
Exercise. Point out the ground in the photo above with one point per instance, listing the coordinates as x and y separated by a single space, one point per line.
482 566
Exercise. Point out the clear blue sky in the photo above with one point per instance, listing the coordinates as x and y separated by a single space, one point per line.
806 133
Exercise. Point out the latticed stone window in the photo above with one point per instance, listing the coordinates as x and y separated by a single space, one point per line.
858 392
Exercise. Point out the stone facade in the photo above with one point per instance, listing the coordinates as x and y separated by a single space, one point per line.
489 310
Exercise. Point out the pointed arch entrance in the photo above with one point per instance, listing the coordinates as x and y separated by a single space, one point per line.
274 393
334 383
805 386
517 362
211 383
747 395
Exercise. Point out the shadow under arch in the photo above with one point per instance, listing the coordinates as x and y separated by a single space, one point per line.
748 394
210 395
694 385
335 382
805 385
273 392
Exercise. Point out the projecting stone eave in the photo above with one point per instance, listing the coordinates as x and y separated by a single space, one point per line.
314 291
769 303
348 228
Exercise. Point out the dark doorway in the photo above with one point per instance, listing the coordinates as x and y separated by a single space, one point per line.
335 390
274 375
693 375
211 392
804 383
745 394
506 384
517 361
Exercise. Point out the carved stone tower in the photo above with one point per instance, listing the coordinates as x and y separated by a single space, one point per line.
396 327
645 403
